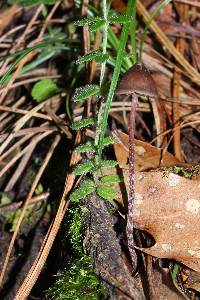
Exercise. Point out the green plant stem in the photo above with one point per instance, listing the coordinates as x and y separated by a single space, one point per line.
105 8
113 43
120 53
133 34
105 38
103 67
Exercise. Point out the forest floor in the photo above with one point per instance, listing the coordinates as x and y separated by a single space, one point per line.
60 242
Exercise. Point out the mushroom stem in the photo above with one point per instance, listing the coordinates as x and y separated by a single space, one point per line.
137 80
131 196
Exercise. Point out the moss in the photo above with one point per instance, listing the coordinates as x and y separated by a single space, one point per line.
32 215
181 171
78 280
75 229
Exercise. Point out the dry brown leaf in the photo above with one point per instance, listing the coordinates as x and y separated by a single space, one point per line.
168 207
161 282
147 157
193 280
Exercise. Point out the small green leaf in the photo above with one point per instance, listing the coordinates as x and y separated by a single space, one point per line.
87 147
82 123
123 19
111 178
31 2
84 167
97 25
86 187
86 91
44 89
88 21
109 140
101 58
98 56
175 270
108 163
106 192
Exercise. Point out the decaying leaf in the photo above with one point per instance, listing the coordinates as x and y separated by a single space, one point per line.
193 280
167 205
160 283
147 157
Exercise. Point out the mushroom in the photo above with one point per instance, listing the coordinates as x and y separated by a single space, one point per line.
136 81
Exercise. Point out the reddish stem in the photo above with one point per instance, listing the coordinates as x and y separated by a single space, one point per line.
131 196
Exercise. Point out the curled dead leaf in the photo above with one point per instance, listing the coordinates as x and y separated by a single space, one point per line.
147 157
168 207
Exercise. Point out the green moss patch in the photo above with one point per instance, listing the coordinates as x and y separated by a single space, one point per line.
78 280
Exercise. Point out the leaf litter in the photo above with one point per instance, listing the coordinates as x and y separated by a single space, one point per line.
167 205
169 198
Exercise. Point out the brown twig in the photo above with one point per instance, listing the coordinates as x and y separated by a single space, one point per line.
40 260
176 87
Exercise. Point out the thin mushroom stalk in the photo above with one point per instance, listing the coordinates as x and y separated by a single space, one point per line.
131 196
136 81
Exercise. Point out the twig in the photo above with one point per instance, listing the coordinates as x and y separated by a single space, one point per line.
40 260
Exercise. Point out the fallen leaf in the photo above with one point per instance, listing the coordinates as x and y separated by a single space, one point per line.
161 284
168 207
147 157
193 280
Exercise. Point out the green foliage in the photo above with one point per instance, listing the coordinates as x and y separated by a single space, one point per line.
86 91
182 171
97 25
120 55
78 282
44 89
97 55
111 178
75 229
32 215
108 163
175 270
98 22
122 19
87 147
82 123
106 192
83 167
32 2
88 21
101 56
109 140
86 188
48 48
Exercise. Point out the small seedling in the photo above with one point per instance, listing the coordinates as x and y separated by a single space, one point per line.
93 167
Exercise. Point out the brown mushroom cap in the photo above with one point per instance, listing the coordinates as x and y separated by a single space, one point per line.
139 80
